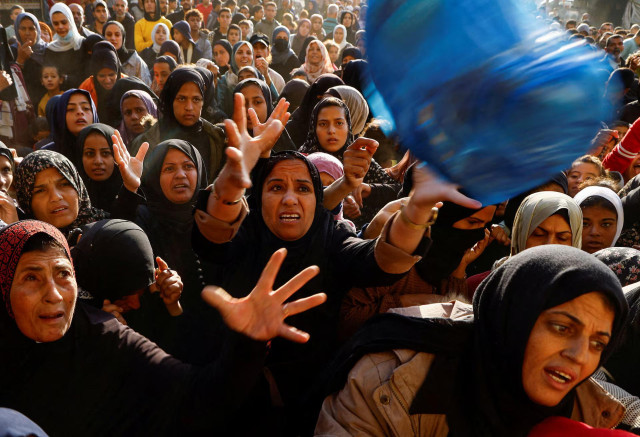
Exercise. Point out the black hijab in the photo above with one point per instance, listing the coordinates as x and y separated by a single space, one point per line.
112 259
302 56
476 378
298 125
156 15
227 46
173 48
6 152
356 74
312 145
162 209
113 114
123 52
101 193
104 56
293 92
174 82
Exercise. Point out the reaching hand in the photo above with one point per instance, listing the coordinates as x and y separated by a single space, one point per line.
428 189
8 211
115 310
130 168
604 142
261 314
279 113
170 286
356 161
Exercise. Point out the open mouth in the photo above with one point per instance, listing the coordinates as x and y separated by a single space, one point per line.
289 218
59 210
558 376
181 187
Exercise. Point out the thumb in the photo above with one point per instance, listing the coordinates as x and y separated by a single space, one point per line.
162 265
216 297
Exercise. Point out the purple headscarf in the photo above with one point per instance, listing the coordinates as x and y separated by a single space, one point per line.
127 136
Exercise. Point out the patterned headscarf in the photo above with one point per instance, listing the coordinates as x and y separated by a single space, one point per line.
315 71
623 261
312 145
40 160
12 241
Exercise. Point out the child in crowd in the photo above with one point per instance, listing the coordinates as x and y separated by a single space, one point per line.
52 80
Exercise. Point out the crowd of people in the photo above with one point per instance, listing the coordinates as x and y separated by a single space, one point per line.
204 229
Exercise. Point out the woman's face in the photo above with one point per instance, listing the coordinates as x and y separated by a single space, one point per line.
79 113
187 105
43 295
332 128
304 29
254 98
314 55
61 25
6 174
221 56
316 24
178 177
27 30
107 78
579 173
150 6
97 158
565 346
113 34
347 20
333 53
599 227
133 111
288 200
554 230
53 199
244 56
338 35
478 220
160 35
161 72
246 74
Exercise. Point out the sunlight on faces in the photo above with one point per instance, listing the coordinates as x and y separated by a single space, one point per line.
338 35
78 14
6 175
288 200
178 177
245 30
565 346
107 78
79 113
178 37
171 55
314 53
120 8
599 227
195 23
100 14
187 105
221 56
233 36
347 20
331 128
579 173
61 25
51 80
260 50
43 295
149 6
334 52
97 158
113 34
27 31
304 29
161 72
554 230
244 56
53 199
133 111
254 98
160 35
316 24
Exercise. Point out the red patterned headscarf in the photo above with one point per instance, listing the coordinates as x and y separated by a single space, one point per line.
12 241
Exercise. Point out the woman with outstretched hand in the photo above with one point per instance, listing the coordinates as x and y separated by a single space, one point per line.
286 205
75 370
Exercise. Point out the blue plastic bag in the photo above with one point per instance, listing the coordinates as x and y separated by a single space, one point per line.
482 92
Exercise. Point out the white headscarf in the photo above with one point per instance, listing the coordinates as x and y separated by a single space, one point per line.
73 40
342 44
611 196
315 71
156 47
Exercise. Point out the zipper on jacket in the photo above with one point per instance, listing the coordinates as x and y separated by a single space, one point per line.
402 404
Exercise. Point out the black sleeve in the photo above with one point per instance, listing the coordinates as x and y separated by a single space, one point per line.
126 204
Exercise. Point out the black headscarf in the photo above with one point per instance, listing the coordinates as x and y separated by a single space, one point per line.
293 92
89 42
356 74
263 87
173 48
476 378
209 93
103 193
6 152
227 46
354 52
104 56
113 114
351 30
302 56
174 82
156 15
312 145
123 52
162 209
64 141
298 125
112 259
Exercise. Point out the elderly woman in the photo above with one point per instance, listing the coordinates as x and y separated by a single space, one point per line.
77 371
543 323
286 206
183 98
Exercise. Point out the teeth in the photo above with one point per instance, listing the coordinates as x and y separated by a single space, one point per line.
559 376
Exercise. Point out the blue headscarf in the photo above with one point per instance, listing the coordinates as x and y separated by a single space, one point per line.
234 66
64 141
38 46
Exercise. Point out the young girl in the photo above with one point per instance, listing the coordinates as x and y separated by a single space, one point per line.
52 81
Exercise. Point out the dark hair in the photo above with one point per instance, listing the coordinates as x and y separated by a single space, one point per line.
598 202
625 76
612 37
224 10
42 242
236 27
256 8
192 13
39 124
231 2
49 65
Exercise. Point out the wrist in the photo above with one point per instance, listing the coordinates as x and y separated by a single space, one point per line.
419 215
